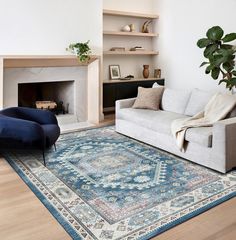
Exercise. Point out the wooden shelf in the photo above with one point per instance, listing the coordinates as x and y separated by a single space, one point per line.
131 80
129 14
130 53
12 61
136 34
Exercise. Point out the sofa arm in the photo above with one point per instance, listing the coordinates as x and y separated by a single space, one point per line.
224 140
125 103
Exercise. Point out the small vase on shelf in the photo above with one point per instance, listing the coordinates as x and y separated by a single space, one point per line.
145 71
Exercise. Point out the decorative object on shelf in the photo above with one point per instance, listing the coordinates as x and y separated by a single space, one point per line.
220 55
114 71
81 50
157 73
126 28
145 26
137 48
117 49
145 71
130 76
127 77
132 27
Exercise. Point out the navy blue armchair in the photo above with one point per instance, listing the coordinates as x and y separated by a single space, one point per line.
28 128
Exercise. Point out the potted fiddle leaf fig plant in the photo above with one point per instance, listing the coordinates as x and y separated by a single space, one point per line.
81 50
220 56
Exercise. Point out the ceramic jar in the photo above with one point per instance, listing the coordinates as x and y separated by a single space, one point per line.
145 71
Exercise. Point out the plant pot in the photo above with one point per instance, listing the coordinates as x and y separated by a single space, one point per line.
145 71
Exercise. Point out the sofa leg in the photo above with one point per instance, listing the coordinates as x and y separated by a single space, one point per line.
55 147
44 160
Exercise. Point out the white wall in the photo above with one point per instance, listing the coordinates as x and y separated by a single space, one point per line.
49 26
181 24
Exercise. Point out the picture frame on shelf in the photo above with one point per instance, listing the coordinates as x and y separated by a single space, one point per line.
114 72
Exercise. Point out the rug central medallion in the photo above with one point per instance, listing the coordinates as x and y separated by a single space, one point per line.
121 168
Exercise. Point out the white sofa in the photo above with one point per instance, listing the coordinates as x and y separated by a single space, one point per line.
213 147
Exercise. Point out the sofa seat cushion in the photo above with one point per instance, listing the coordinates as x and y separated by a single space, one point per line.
159 121
200 135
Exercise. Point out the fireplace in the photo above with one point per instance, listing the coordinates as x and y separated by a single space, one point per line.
61 93
25 86
27 79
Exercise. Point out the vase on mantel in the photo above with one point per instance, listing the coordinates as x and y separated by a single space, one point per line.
145 71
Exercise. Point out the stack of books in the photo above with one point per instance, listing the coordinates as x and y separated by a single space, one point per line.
120 49
137 48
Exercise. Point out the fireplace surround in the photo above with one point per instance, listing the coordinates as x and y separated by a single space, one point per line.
81 79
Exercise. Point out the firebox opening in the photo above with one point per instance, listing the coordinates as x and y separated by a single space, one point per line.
55 96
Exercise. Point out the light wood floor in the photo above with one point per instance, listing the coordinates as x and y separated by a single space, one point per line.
23 216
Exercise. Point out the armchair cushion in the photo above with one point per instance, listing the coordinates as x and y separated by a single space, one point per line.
21 127
31 114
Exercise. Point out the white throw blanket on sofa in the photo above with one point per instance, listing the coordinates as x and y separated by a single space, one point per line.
216 109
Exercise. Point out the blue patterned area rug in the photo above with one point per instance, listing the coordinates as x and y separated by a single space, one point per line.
102 185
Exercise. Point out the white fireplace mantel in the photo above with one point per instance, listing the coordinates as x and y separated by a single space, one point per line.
94 108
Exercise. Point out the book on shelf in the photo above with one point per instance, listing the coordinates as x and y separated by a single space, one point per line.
137 48
119 49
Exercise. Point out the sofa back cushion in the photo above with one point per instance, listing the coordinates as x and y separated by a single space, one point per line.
175 100
197 101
